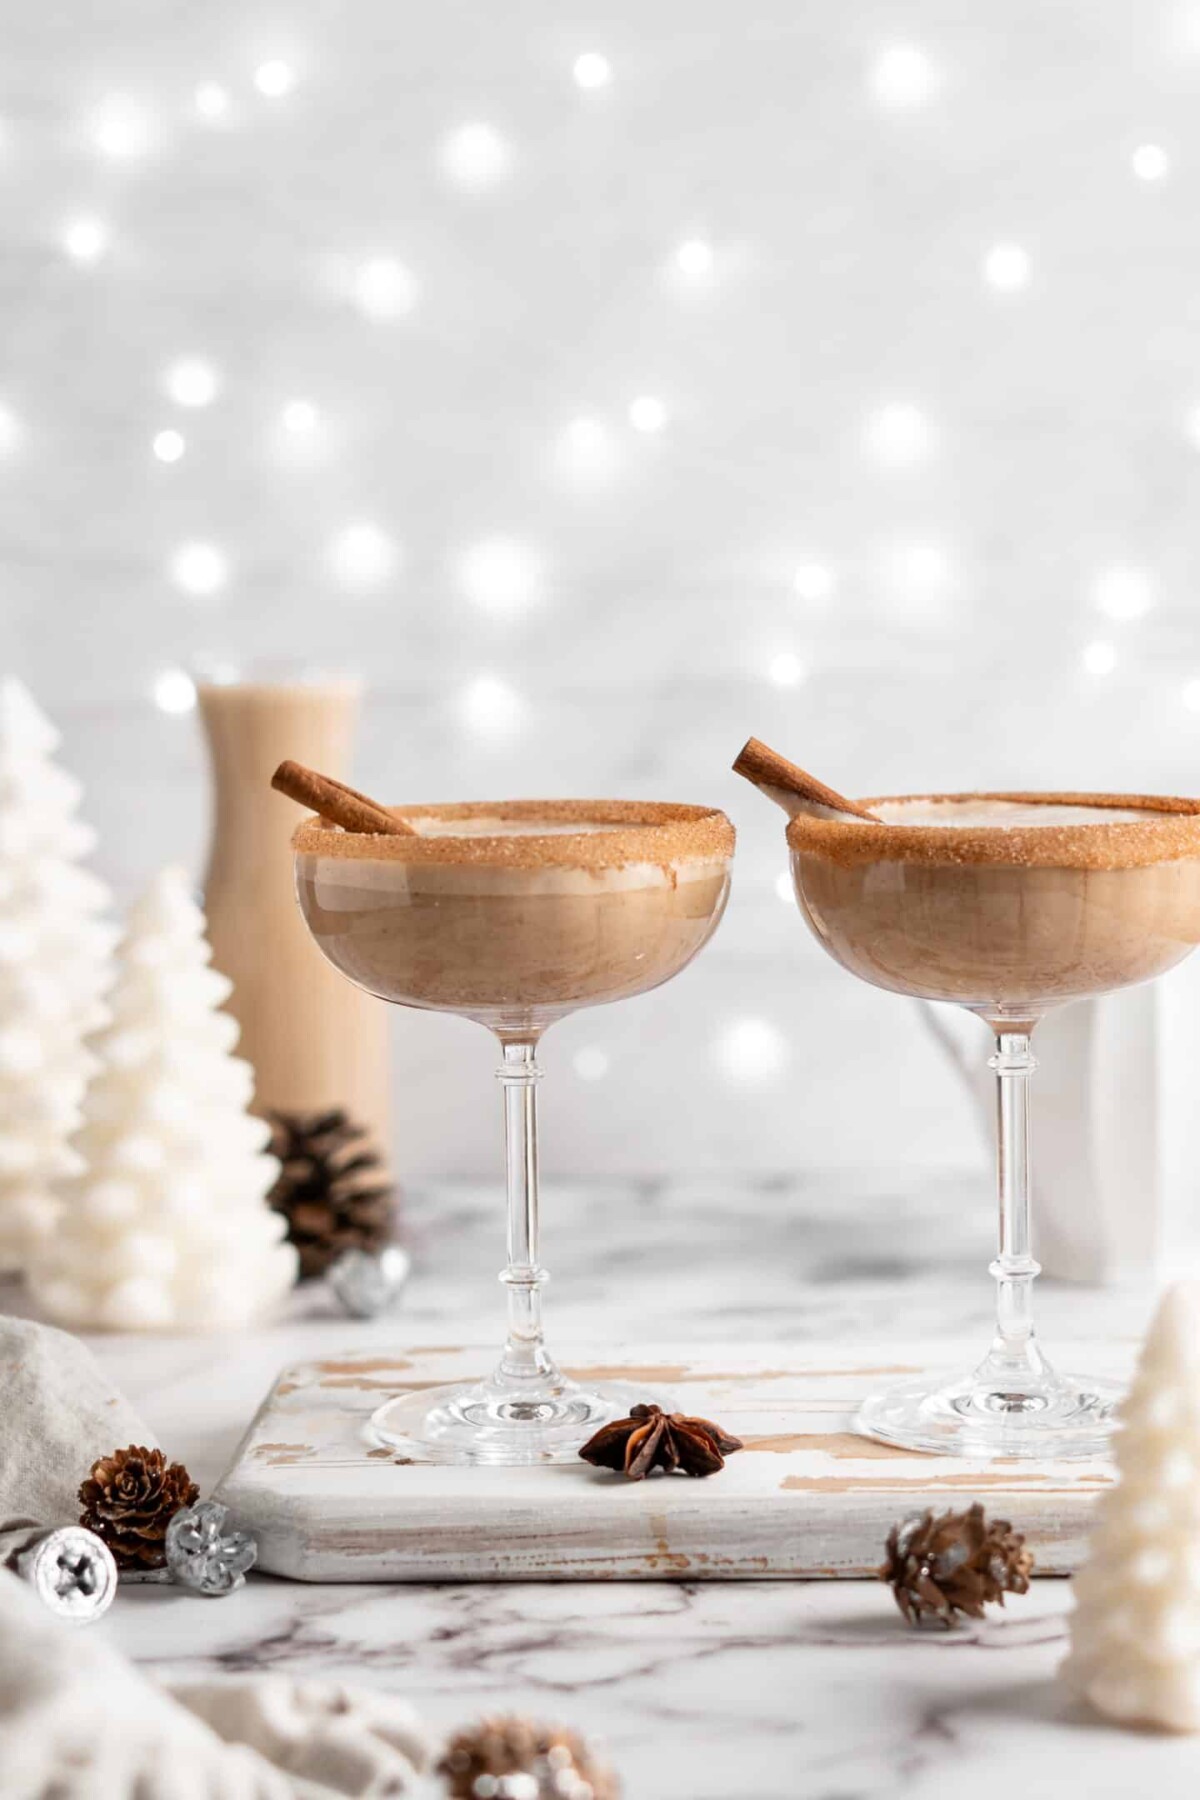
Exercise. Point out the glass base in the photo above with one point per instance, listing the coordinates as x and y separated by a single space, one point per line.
486 1422
1039 1414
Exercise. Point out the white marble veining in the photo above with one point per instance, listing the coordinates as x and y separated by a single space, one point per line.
761 1691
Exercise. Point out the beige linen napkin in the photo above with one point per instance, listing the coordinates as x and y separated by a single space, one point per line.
80 1723
58 1413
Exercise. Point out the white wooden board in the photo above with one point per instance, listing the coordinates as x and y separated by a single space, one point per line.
806 1498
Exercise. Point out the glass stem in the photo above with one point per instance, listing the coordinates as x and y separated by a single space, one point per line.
1014 1349
525 1358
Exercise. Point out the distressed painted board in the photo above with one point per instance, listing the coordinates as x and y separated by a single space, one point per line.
806 1498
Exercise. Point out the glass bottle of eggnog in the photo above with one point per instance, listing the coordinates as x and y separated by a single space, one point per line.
315 1041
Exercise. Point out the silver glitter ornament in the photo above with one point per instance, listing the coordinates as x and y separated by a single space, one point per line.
202 1555
368 1284
70 1569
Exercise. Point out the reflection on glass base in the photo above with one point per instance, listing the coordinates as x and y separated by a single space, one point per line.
1042 1415
484 1422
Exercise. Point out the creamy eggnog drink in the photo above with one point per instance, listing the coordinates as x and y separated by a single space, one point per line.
1009 905
515 915
1004 903
512 914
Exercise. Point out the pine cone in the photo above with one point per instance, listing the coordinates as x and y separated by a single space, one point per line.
332 1188
476 1762
130 1498
955 1563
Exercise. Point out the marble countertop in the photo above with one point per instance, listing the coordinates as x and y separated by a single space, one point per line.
698 1691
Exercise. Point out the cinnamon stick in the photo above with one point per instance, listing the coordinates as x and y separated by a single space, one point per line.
794 788
340 804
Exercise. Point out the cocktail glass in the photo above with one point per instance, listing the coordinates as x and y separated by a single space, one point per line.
514 915
1008 905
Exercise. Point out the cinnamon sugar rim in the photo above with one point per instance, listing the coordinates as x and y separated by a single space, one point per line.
1169 832
644 831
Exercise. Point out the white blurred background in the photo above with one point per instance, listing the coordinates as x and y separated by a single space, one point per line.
605 385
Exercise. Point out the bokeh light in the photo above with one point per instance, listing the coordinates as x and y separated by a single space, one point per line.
751 1052
787 669
1123 593
211 100
898 435
274 79
199 569
490 708
384 289
122 129
814 582
647 413
475 157
300 417
191 382
363 555
85 240
904 76
169 445
174 691
501 575
695 258
1100 658
592 70
1150 162
1007 267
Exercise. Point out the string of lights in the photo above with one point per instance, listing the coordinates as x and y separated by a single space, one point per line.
899 438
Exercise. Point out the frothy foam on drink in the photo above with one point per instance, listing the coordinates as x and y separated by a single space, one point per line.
1001 815
545 835
482 826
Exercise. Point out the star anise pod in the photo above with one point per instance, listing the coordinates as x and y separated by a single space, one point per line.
129 1499
939 1567
652 1439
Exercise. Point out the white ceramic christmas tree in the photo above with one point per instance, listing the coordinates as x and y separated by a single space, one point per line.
1135 1633
55 963
169 1226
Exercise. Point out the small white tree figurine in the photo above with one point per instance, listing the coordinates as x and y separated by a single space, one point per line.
55 963
1135 1633
168 1228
